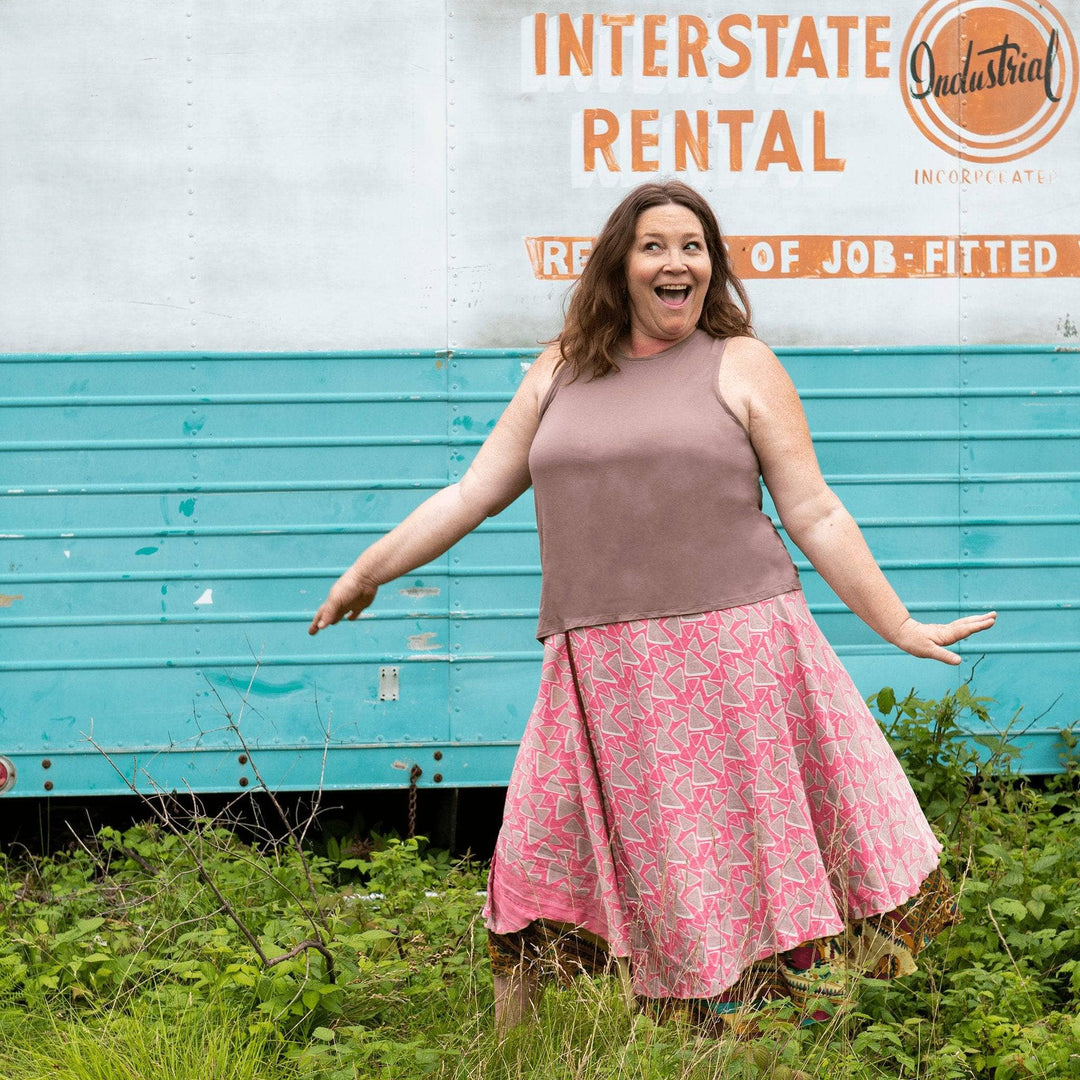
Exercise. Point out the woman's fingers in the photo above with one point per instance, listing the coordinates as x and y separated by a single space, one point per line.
929 639
959 629
323 618
345 599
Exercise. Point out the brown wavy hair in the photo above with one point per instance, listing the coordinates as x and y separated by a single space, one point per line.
598 316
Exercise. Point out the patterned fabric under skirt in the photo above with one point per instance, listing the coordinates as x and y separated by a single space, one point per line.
818 977
709 797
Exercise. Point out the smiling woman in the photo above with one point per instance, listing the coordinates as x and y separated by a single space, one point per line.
681 226
700 792
667 275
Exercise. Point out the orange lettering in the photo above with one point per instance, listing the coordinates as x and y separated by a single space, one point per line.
772 25
843 25
806 52
540 43
600 140
778 147
653 45
640 139
739 48
735 118
821 162
691 48
616 22
685 140
570 45
874 23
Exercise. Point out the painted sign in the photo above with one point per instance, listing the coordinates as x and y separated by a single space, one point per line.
991 82
912 156
867 162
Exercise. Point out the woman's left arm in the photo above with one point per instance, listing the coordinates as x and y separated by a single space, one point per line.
760 392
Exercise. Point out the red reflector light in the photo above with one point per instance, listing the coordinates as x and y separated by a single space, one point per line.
7 775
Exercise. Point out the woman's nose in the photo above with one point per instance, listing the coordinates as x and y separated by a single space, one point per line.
674 258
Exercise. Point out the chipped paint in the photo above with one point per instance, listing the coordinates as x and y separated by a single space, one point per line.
67 554
7 601
423 641
206 598
525 365
187 507
263 687
418 591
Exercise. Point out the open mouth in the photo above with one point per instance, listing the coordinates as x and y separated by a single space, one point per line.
673 295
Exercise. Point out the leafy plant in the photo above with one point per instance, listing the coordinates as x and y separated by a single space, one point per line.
118 958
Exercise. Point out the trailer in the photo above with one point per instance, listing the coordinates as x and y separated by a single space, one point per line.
269 273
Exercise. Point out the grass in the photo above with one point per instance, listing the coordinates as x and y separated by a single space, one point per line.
192 1040
118 958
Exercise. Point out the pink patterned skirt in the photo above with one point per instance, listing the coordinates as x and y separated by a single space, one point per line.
699 793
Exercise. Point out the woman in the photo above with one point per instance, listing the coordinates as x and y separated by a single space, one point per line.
700 789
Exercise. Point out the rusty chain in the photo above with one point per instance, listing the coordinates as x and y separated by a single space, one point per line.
414 774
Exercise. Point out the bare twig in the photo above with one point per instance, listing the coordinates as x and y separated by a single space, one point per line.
317 803
234 726
162 814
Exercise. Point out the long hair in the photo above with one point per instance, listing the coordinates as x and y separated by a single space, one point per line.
598 317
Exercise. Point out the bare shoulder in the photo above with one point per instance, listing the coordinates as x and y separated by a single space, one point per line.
540 373
748 358
752 379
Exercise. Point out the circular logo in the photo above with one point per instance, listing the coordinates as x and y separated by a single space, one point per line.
989 80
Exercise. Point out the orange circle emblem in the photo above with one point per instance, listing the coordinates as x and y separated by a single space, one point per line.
989 80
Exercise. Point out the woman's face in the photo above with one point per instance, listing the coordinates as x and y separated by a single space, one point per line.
667 274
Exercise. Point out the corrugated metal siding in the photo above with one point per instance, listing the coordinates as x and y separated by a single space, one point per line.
961 466
139 486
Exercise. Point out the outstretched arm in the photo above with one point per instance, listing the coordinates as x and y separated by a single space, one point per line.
497 476
761 393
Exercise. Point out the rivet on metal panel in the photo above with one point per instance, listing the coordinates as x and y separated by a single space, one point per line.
243 781
242 759
48 785
437 778
437 755
388 684
46 763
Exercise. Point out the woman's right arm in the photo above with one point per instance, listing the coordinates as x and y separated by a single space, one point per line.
497 476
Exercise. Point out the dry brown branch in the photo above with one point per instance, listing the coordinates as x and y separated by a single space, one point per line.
162 814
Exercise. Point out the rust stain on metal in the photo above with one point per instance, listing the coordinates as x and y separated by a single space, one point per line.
418 591
423 641
6 600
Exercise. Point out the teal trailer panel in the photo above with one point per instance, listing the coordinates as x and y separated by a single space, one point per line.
171 521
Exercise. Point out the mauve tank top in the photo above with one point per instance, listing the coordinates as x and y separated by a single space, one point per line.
648 495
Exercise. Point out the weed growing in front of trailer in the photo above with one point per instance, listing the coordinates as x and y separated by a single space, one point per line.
118 958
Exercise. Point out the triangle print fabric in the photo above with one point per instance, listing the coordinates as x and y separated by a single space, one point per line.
725 796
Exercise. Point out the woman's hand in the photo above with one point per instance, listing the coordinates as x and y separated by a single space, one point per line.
928 639
348 596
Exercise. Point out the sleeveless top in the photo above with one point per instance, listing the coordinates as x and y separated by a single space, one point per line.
648 495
